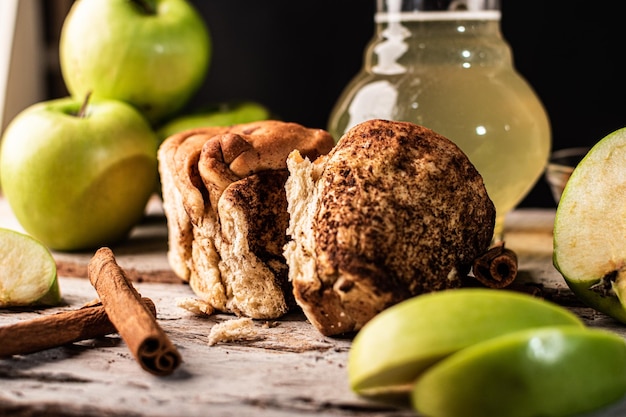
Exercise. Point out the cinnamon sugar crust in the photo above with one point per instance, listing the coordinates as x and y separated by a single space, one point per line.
398 210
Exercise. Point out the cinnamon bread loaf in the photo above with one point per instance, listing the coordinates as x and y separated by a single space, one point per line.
226 208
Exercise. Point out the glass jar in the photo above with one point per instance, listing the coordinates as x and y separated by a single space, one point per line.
445 65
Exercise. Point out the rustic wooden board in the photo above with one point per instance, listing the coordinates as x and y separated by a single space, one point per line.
287 369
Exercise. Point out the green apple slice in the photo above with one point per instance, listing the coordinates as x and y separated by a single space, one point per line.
397 345
553 371
28 274
590 228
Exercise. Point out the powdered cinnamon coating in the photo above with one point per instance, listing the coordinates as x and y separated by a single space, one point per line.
402 211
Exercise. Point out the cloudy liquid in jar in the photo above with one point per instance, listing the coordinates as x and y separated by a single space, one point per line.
455 76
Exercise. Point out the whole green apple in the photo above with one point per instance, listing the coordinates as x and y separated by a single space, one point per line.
78 176
153 54
221 114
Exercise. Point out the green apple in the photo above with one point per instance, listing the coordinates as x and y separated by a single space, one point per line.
153 54
29 273
590 228
78 176
221 114
552 371
394 348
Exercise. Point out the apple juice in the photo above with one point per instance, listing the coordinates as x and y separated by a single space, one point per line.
452 72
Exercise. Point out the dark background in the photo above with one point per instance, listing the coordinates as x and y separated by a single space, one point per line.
296 56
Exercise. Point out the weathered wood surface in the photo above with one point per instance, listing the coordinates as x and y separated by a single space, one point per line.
289 369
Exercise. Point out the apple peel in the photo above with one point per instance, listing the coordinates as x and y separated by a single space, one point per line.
394 348
552 371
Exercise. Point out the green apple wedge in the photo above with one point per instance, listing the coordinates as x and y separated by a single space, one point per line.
153 54
396 346
550 372
78 175
28 272
590 228
221 114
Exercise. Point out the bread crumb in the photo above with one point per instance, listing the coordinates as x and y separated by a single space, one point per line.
236 330
195 306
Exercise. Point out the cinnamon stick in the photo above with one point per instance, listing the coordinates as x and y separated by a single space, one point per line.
496 268
138 328
58 329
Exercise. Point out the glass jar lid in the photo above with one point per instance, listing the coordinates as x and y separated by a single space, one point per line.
436 9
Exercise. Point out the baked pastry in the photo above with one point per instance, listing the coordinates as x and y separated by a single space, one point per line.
393 211
224 199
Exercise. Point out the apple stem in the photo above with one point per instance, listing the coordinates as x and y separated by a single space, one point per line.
147 6
82 113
